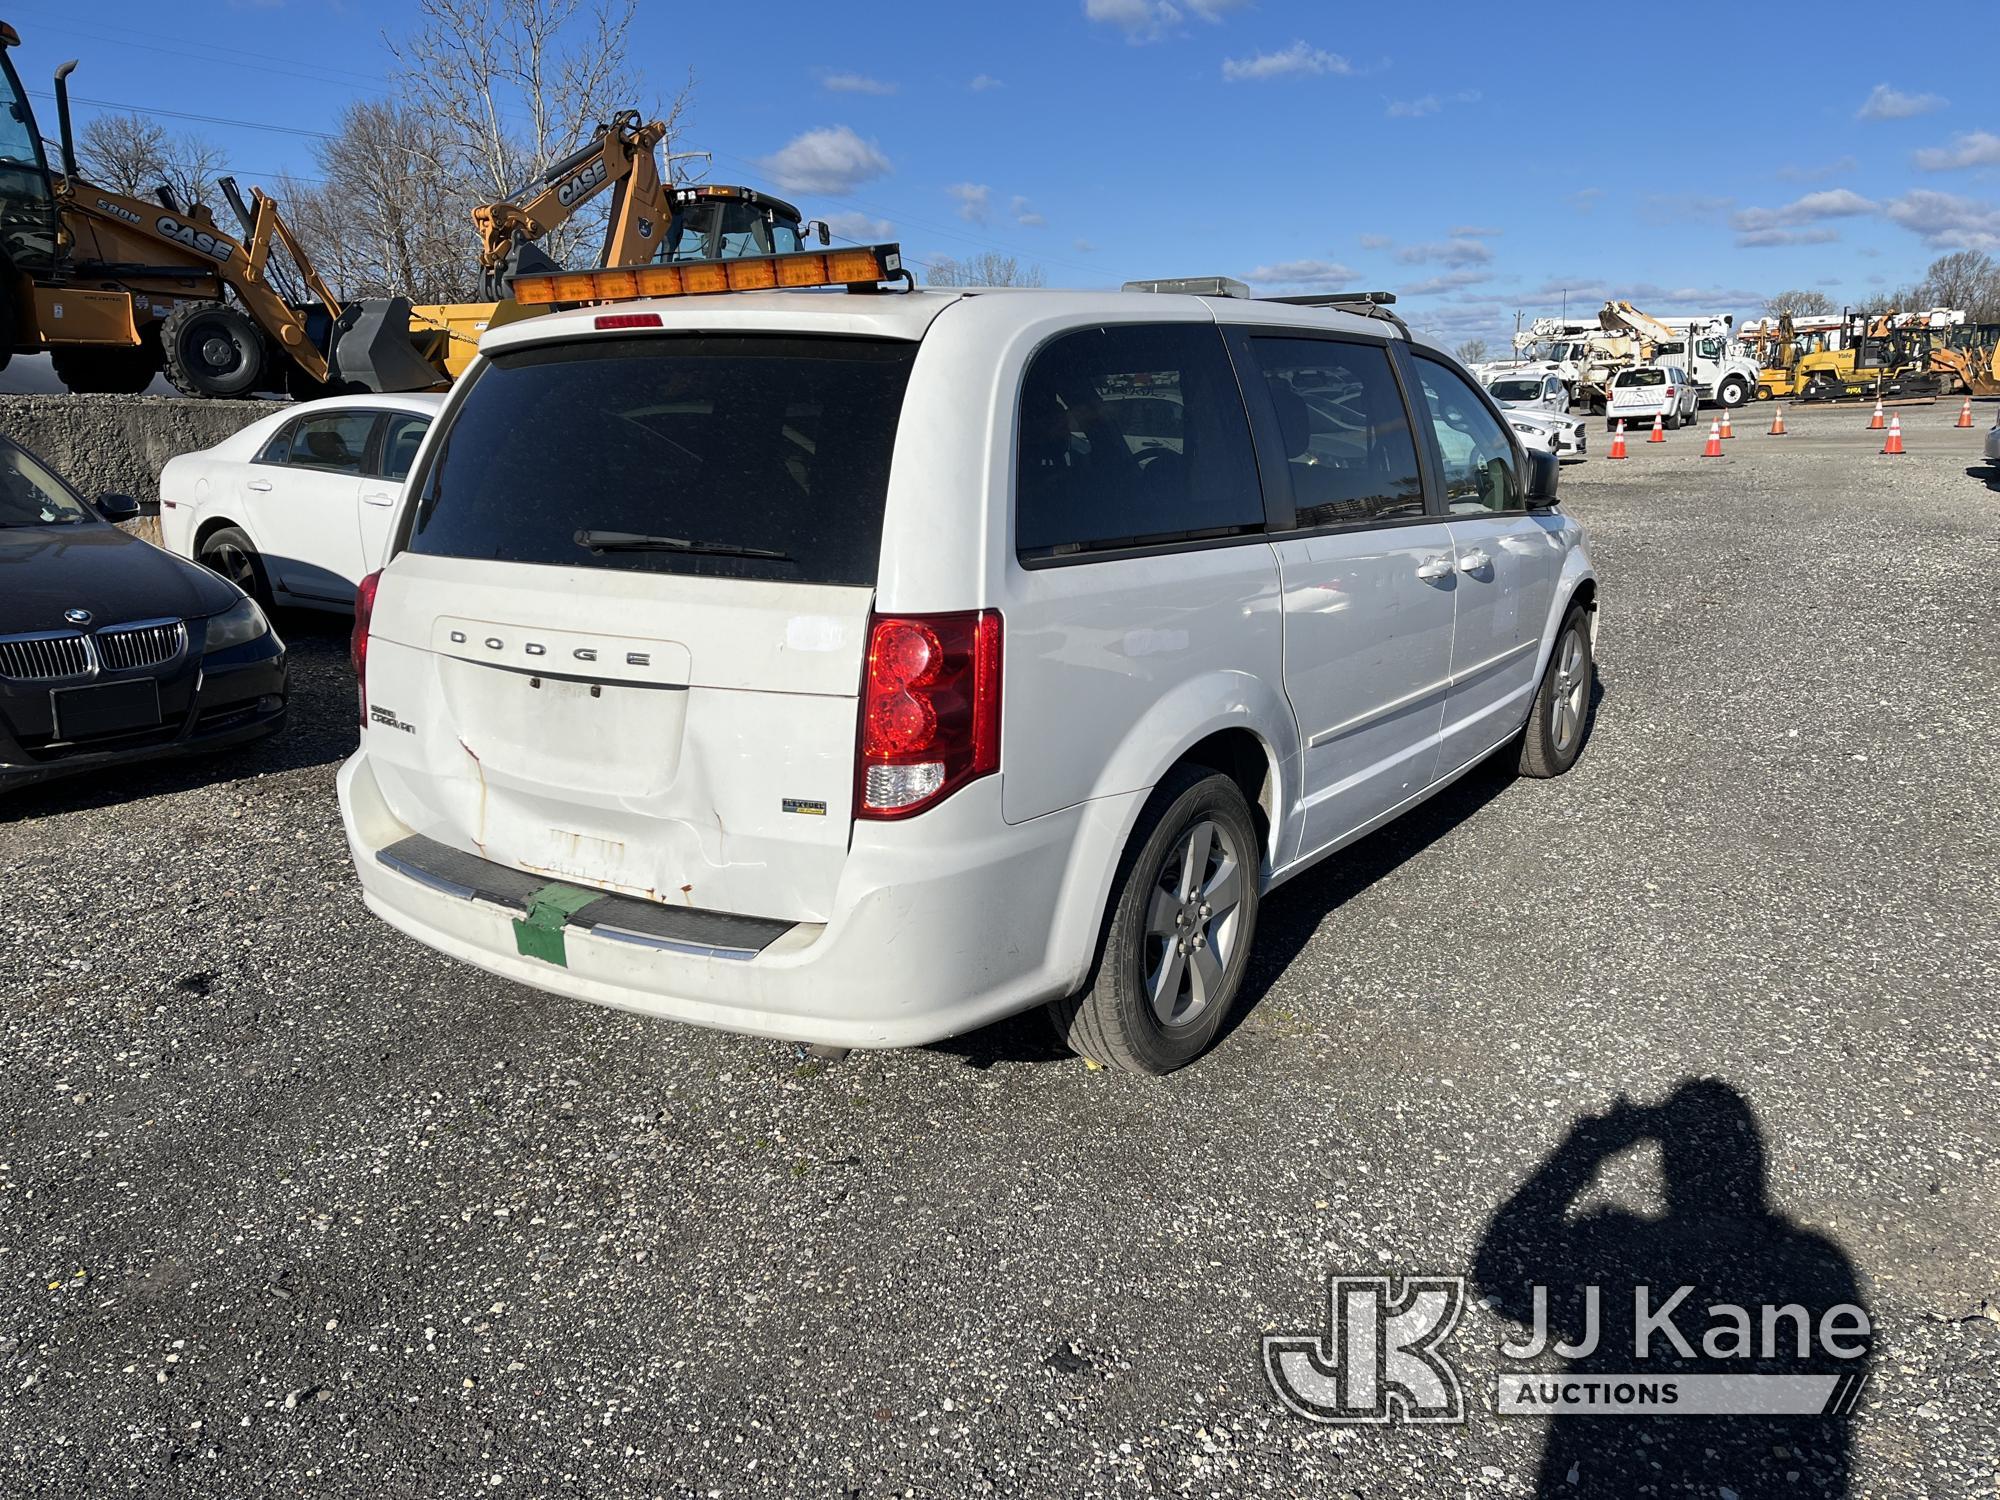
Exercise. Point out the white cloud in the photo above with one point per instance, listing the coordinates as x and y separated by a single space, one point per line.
1376 242
983 82
1838 168
1945 221
1772 238
1025 215
1453 252
855 83
1450 281
1411 109
1831 203
862 227
1885 103
1649 295
975 201
830 160
1583 200
1083 247
1978 148
1326 275
1149 20
1295 61
1459 230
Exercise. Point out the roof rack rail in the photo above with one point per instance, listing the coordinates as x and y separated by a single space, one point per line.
1361 304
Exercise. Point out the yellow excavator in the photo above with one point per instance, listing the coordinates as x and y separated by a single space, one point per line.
117 289
649 221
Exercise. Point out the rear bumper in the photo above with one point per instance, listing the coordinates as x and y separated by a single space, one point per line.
941 925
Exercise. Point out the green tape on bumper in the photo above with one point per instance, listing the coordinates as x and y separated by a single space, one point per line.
540 933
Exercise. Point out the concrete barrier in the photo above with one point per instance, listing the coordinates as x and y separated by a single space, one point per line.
120 443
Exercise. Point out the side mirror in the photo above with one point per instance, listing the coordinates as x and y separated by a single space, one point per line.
116 508
818 227
1544 470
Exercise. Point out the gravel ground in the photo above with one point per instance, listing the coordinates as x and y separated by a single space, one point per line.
290 1205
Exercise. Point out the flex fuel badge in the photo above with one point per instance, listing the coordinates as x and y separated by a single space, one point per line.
540 933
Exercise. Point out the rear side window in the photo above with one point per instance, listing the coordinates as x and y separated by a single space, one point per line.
744 457
1346 436
334 443
402 435
1132 436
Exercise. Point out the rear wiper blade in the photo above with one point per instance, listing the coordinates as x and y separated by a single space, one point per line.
638 541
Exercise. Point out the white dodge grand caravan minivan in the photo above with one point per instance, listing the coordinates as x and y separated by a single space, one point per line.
859 667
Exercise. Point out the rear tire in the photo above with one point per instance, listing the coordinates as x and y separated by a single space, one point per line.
231 553
107 372
1177 939
212 350
1559 720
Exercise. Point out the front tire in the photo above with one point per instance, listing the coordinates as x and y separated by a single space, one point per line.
1733 392
212 349
1560 717
230 552
1177 941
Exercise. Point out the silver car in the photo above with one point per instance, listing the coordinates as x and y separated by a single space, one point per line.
1993 443
1532 392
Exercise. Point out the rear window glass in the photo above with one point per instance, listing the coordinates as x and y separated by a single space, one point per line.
742 457
1130 436
1642 377
1516 390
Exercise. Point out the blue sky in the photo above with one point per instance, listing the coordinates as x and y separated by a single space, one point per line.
1478 159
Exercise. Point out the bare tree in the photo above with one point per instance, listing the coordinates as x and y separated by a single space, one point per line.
385 218
988 268
131 154
510 87
1800 304
1472 352
1965 279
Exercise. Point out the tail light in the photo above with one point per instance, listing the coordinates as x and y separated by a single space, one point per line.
357 651
930 710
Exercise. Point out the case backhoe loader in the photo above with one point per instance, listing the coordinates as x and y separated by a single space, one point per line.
117 289
649 221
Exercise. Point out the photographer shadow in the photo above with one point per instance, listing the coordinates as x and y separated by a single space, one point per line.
1719 1236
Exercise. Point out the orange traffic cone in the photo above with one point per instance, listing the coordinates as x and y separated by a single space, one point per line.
1895 443
1778 422
1727 433
1713 447
1618 442
1965 413
1875 422
1659 433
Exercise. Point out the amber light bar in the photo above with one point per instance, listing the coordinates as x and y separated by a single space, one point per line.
751 273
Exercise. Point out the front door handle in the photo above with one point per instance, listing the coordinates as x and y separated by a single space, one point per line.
1437 567
260 485
379 497
1474 562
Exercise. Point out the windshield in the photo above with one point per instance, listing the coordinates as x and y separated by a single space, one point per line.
1516 390
31 496
717 229
757 457
27 220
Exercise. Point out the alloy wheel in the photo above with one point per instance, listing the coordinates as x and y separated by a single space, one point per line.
1193 923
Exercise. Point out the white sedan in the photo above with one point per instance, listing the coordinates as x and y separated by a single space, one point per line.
1551 432
295 508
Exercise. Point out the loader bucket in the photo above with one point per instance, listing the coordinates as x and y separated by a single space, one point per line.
372 349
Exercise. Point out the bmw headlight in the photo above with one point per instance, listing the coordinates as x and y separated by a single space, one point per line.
233 627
